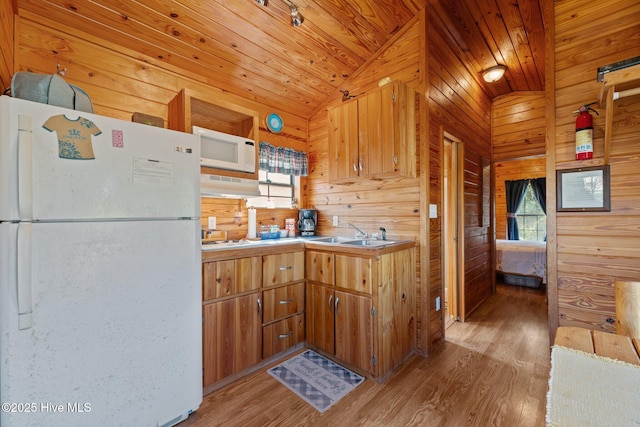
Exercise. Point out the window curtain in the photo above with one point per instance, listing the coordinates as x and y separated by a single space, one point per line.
515 194
282 160
539 186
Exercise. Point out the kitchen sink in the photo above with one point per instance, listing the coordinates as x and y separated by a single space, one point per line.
330 240
367 242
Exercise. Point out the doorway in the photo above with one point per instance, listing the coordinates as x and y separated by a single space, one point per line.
453 230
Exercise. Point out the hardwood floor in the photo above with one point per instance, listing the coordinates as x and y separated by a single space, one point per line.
492 370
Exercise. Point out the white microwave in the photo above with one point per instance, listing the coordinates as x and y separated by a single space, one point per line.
225 151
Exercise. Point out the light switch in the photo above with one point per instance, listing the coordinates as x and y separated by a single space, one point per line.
212 223
433 211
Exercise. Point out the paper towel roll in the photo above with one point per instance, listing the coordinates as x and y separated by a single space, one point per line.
252 224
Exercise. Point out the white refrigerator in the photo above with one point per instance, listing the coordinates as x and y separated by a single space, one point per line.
100 274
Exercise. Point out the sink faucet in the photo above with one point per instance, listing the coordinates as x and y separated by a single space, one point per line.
359 231
384 233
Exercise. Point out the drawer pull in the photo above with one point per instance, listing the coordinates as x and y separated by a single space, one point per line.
285 301
283 336
259 306
286 268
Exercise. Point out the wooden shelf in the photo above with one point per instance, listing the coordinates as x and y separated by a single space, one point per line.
615 85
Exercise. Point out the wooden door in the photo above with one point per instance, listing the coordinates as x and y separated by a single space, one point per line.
232 336
343 141
354 330
319 317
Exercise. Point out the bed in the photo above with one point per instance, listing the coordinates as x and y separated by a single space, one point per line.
522 262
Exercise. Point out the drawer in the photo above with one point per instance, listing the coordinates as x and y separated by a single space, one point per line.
284 268
282 335
282 302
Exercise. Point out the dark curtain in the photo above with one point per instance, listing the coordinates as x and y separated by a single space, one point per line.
539 186
515 194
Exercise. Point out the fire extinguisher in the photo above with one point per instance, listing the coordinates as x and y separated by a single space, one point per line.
584 133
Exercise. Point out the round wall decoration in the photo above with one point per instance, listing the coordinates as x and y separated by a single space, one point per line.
274 123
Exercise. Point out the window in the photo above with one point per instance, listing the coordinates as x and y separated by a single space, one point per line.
277 190
532 222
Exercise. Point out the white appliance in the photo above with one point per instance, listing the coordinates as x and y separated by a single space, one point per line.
224 151
228 186
100 274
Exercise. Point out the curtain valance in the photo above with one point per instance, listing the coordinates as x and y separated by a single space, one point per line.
282 160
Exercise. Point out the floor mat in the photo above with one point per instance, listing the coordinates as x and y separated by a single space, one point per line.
316 379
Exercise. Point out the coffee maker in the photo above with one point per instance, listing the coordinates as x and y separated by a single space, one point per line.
307 220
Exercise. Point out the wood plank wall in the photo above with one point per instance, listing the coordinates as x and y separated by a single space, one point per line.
6 44
458 106
518 126
120 83
518 145
594 249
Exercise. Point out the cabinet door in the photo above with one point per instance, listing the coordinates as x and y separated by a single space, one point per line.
283 268
283 301
377 126
319 317
230 277
354 330
343 141
354 273
319 267
232 336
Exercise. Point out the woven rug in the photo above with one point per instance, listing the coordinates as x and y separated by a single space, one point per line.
589 390
316 379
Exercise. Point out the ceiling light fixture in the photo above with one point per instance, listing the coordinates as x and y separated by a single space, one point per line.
296 17
263 2
494 74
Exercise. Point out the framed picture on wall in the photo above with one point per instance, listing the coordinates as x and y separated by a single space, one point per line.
583 189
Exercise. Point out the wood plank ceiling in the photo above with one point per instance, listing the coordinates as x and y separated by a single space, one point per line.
253 50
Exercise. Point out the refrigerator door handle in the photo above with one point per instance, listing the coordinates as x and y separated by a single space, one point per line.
25 162
25 317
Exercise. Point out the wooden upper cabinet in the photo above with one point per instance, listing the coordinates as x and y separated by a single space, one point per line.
188 109
374 135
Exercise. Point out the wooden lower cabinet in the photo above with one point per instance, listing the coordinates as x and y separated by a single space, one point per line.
364 313
341 324
320 317
354 330
232 336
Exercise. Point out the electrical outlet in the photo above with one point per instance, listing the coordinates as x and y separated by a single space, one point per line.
335 220
437 303
212 222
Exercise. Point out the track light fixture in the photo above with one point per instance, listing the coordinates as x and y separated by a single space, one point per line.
296 17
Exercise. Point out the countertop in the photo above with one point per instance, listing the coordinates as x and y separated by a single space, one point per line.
352 246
